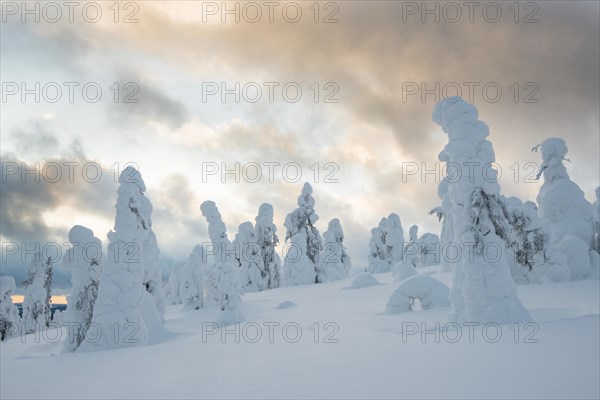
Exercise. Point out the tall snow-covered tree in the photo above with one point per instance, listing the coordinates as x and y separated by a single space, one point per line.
266 237
378 250
412 250
38 292
118 309
394 240
173 293
191 278
563 209
221 250
448 252
229 292
9 313
84 259
217 232
482 289
535 259
305 241
253 277
334 262
429 250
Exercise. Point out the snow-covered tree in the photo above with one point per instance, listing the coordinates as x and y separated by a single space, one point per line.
394 240
253 277
429 250
482 289
447 234
173 293
38 291
378 250
534 257
266 237
221 249
9 313
412 250
84 259
334 262
305 241
563 209
152 272
386 245
217 232
118 309
229 291
192 289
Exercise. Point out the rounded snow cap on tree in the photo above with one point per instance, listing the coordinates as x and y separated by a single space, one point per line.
265 210
80 234
246 227
133 176
334 225
393 220
459 119
307 189
553 149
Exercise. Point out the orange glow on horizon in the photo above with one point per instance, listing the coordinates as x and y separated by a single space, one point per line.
59 299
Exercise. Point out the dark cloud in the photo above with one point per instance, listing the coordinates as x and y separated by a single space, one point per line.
143 102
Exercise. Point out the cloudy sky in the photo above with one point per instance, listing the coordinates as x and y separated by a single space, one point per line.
341 88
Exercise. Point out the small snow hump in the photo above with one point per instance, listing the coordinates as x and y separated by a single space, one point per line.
403 270
285 304
362 280
429 291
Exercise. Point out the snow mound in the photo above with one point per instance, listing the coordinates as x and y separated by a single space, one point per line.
429 291
403 270
362 280
285 304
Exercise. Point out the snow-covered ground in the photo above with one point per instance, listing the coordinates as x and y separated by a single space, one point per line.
348 348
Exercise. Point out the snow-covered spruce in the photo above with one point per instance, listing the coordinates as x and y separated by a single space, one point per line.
447 234
217 232
9 313
378 251
563 209
300 262
192 289
334 262
422 251
482 288
253 277
534 257
412 250
38 291
429 291
229 292
386 246
222 250
266 237
394 240
173 293
84 260
429 250
118 309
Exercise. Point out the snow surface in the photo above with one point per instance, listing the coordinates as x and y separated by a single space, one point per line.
371 359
